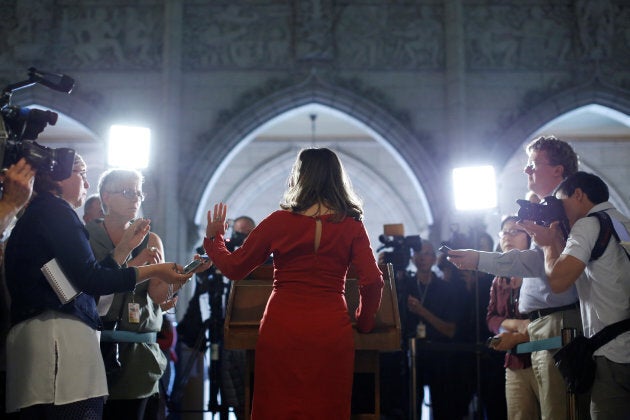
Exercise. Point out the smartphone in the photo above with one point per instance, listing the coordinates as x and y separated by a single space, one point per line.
493 341
191 266
444 249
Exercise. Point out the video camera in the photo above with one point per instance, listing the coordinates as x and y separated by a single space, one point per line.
19 127
549 210
401 246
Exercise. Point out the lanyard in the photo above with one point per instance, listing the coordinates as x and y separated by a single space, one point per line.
424 292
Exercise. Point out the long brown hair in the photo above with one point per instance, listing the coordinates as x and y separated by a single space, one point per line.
318 177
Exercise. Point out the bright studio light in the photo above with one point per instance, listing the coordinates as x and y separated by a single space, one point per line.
474 188
129 147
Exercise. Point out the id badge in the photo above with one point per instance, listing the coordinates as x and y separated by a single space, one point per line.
134 313
421 330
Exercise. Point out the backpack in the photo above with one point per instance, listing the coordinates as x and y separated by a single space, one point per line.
606 230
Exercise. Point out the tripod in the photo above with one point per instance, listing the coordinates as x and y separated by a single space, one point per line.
210 335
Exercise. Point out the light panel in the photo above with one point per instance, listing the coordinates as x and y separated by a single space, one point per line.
129 147
474 188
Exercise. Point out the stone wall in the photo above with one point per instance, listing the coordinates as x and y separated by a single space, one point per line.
442 81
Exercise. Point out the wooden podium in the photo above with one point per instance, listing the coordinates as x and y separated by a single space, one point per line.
246 305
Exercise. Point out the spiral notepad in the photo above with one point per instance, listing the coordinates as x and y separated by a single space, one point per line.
59 282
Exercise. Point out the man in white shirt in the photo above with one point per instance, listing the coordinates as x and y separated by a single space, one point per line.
605 290
550 162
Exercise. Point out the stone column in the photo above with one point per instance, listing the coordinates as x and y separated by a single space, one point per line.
166 153
455 74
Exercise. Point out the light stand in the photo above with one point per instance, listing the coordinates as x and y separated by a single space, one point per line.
475 191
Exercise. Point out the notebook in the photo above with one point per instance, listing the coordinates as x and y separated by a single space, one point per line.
59 282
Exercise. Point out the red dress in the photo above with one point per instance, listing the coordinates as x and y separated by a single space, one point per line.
305 349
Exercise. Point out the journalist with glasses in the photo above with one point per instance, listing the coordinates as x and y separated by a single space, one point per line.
131 318
510 326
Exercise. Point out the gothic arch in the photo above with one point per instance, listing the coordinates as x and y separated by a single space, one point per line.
509 140
231 136
510 150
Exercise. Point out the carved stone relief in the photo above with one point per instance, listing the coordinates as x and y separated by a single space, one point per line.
272 35
33 20
100 37
524 36
405 36
622 37
595 23
314 29
236 36
546 35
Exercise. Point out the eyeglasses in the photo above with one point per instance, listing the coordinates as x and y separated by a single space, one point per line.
130 194
82 174
532 166
511 232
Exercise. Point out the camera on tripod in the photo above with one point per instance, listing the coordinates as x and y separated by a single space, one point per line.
19 127
549 210
393 237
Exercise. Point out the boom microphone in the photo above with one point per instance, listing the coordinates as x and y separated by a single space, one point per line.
58 82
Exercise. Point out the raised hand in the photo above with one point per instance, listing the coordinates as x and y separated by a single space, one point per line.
135 233
216 221
132 237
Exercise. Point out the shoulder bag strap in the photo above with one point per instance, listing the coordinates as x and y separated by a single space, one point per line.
606 230
609 332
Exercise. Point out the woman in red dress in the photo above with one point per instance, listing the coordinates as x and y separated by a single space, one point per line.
305 349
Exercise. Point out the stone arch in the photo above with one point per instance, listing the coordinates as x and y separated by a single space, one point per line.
595 93
73 107
230 137
509 140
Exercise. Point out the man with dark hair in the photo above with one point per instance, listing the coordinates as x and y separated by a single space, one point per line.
234 362
241 227
432 312
550 161
605 290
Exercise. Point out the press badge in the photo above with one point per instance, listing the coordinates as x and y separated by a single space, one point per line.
134 313
421 330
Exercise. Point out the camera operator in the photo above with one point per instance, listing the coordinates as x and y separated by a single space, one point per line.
605 290
550 161
17 186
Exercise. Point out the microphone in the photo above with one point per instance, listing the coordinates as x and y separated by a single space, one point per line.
58 82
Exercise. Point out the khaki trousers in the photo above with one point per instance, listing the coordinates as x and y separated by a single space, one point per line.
551 387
